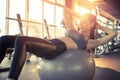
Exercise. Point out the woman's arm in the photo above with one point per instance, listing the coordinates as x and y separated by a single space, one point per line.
93 43
69 17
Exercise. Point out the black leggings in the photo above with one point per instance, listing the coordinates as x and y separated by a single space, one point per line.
40 47
6 42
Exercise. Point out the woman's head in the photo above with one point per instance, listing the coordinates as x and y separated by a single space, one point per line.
87 22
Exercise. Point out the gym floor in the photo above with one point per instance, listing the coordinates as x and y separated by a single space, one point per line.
107 68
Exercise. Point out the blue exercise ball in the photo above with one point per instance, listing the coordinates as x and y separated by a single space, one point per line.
70 65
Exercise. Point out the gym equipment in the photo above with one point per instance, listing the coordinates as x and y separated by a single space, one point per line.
20 24
110 47
114 46
47 29
4 69
70 65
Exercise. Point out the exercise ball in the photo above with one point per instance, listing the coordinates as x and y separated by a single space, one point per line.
70 65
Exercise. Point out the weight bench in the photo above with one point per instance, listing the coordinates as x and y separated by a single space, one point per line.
3 68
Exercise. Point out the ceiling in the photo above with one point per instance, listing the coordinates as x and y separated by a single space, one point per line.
112 7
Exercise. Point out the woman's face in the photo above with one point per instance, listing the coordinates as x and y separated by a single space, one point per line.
85 26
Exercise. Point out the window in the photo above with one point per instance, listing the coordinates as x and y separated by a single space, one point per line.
51 0
35 15
62 2
2 16
49 13
16 6
59 16
34 11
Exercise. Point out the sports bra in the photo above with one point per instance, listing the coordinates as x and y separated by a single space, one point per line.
78 38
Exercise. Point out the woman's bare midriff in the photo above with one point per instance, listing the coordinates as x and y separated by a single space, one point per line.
70 44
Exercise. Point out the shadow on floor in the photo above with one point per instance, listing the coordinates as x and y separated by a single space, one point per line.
106 74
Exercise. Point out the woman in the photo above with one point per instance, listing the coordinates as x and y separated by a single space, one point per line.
50 49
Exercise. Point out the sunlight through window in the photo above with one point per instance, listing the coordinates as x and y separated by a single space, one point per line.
16 6
2 16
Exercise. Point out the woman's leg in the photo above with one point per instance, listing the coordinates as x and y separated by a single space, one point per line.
23 44
6 42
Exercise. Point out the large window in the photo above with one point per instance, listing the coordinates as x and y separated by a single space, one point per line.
16 6
49 13
35 10
33 13
62 2
2 16
59 16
